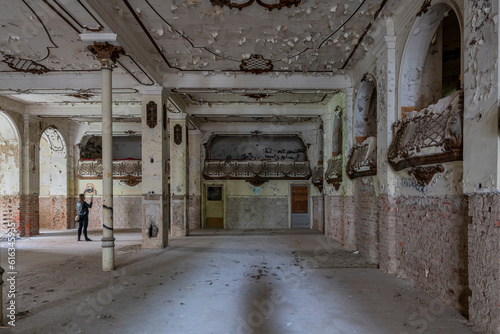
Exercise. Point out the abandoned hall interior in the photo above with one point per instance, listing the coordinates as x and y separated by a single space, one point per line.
267 166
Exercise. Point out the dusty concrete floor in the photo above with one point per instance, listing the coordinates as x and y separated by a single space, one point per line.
219 282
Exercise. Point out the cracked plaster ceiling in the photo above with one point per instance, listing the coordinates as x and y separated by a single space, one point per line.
316 37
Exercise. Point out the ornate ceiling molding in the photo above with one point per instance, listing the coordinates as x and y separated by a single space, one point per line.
106 52
240 6
25 65
256 64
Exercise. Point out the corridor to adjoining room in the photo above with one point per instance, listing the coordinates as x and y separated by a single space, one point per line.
216 281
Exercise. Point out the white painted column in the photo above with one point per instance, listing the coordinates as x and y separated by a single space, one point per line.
386 116
108 240
107 55
179 174
194 212
155 189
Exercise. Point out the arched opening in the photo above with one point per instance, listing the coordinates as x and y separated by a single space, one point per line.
363 155
53 200
431 67
10 173
365 113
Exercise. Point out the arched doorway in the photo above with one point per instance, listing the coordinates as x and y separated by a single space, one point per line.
53 201
10 173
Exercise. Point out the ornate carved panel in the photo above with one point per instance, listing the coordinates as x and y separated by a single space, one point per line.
363 159
256 170
317 177
178 134
122 169
270 6
333 173
433 135
256 64
152 114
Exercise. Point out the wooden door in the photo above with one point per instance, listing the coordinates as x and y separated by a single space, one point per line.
215 207
300 206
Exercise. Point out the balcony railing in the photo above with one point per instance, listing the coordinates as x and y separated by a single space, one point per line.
363 159
258 171
430 136
333 173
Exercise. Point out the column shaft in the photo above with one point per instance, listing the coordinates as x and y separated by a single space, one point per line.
108 252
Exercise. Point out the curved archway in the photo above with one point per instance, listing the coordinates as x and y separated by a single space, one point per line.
53 199
432 64
365 112
10 153
10 172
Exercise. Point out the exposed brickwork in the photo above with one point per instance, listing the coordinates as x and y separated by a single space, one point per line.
54 213
432 246
10 212
29 216
349 222
318 213
366 226
387 227
484 264
194 212
334 218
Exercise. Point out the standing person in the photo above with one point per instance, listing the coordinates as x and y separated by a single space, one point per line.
82 209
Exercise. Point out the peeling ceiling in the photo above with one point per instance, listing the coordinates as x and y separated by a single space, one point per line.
160 37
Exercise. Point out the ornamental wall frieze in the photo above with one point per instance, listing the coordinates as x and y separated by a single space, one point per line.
130 170
263 170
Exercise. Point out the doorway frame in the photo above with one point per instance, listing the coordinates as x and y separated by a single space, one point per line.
309 202
204 203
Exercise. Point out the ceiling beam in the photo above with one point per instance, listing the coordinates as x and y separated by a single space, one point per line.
15 82
252 81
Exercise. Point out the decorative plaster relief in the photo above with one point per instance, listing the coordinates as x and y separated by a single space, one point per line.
363 159
152 114
256 171
178 134
433 135
334 171
122 170
317 177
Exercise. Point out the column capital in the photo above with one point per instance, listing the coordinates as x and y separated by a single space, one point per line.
106 53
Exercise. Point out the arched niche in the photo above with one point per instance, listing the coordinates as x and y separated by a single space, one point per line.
53 164
53 200
10 172
337 135
365 112
432 64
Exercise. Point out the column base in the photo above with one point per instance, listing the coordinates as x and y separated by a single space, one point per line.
179 227
154 221
108 253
